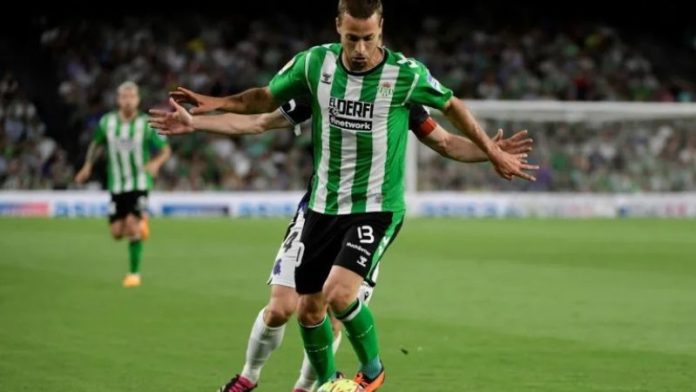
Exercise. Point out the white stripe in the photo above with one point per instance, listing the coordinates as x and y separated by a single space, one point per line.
379 141
125 158
139 164
323 95
349 150
111 138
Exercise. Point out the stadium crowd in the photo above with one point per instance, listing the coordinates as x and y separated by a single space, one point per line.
218 58
29 159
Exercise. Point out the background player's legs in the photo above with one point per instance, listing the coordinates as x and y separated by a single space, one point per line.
268 330
131 229
341 290
117 229
135 244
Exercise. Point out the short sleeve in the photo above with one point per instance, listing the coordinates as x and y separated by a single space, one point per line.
99 136
291 81
427 90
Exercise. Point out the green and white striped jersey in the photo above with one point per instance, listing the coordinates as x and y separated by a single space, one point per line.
128 146
359 125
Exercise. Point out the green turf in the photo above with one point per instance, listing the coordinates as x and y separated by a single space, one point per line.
483 305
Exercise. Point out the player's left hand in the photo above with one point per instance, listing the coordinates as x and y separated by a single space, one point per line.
518 143
178 122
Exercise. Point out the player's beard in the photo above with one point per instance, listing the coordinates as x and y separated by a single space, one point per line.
363 63
358 64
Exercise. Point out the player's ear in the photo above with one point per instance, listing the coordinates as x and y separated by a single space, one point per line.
338 25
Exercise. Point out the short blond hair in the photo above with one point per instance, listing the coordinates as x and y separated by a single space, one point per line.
128 85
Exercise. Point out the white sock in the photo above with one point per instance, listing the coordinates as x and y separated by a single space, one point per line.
307 375
262 341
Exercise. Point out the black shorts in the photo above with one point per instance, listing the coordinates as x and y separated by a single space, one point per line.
123 204
356 242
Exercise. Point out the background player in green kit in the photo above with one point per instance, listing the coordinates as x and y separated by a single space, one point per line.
128 140
359 92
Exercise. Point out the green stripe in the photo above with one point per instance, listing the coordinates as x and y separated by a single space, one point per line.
338 89
397 219
403 85
317 59
364 148
109 170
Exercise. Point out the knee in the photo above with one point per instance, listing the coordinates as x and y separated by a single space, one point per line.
131 226
310 312
339 296
277 314
116 233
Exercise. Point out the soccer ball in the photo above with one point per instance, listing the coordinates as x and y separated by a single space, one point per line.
341 385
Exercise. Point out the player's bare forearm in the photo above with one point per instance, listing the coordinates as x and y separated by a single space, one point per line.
162 155
252 101
455 147
464 150
93 152
464 120
233 124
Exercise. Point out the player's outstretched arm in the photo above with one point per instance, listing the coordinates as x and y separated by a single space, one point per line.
251 101
507 165
180 121
461 149
93 152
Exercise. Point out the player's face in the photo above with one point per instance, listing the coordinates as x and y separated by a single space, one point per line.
128 100
361 39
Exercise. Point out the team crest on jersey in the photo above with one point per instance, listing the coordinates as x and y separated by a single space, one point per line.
386 89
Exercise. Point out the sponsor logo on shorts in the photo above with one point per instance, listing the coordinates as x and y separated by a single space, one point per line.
359 248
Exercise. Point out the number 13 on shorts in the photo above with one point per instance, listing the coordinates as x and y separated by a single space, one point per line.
366 234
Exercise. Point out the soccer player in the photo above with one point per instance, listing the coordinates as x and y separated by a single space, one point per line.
128 139
269 326
359 92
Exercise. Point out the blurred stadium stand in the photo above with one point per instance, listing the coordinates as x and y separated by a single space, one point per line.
59 75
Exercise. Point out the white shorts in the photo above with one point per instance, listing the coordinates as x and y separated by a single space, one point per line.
283 272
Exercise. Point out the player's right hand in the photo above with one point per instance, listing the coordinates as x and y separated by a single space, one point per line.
202 103
177 122
83 174
509 165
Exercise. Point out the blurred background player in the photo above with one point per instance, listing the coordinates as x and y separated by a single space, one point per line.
129 141
269 327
